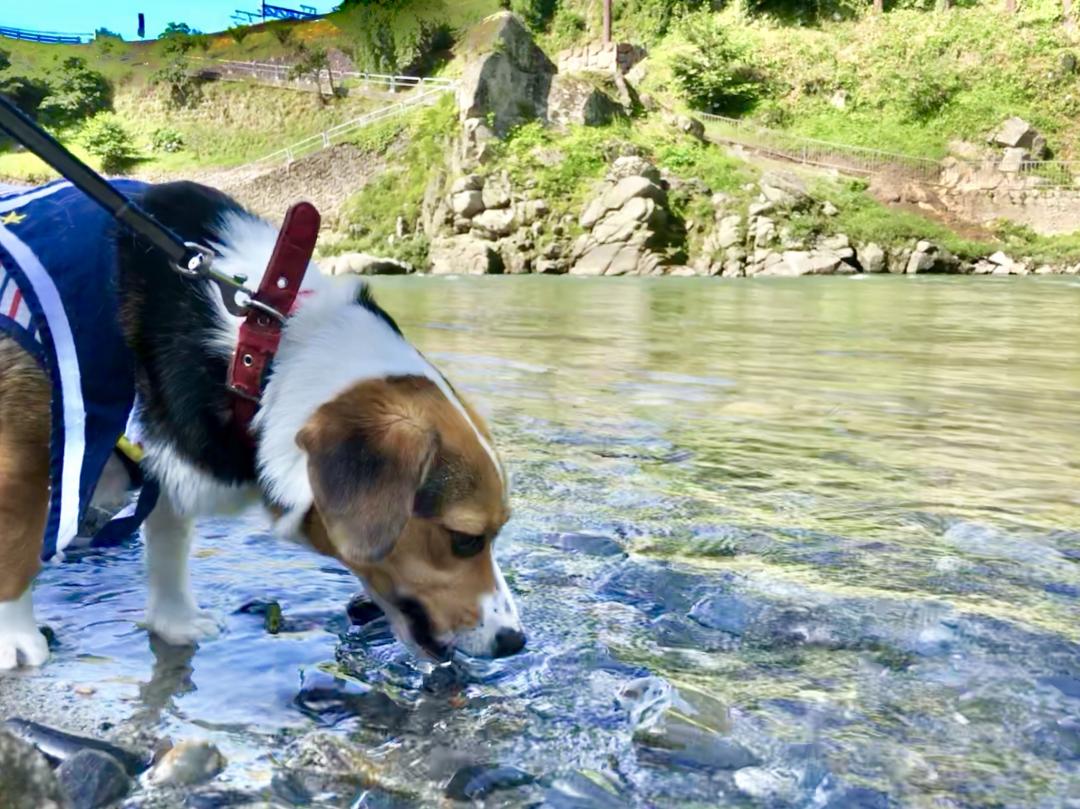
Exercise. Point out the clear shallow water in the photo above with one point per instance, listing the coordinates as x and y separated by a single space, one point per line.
831 558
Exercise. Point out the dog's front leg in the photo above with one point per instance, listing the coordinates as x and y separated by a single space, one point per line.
171 611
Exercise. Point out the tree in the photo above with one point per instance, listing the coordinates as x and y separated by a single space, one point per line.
185 89
312 62
879 6
715 73
178 29
77 92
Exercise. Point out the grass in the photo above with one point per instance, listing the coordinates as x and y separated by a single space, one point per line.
424 138
234 123
912 80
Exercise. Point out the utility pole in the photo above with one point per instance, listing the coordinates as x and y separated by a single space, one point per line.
607 21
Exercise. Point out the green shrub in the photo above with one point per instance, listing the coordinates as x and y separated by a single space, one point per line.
76 93
105 138
238 33
166 139
713 72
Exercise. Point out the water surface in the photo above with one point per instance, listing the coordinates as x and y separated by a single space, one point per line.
810 542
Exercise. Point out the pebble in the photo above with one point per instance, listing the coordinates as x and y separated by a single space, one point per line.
190 762
93 779
477 781
767 785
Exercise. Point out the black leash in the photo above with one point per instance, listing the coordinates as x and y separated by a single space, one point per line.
187 258
37 140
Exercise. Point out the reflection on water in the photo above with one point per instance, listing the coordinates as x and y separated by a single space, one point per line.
784 543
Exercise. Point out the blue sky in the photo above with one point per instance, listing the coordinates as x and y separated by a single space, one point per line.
121 16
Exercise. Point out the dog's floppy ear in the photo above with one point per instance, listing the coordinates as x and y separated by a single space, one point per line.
369 451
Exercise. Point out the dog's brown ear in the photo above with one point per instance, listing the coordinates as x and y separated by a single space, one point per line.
369 451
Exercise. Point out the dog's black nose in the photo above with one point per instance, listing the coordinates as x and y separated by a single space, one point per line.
509 642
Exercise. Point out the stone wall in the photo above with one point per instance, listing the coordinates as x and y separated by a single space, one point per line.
602 57
988 191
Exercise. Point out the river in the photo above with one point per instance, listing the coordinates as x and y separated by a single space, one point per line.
809 542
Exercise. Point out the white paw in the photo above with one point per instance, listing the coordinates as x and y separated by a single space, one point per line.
181 624
28 648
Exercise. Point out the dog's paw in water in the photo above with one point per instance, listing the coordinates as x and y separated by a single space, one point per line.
181 625
21 643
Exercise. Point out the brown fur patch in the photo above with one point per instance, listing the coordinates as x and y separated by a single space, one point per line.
24 468
395 469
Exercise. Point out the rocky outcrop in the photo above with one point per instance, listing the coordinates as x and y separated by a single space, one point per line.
576 99
508 77
364 264
627 224
463 255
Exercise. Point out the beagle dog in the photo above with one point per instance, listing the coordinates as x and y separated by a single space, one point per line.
360 448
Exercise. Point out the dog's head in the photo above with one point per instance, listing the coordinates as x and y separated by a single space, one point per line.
410 495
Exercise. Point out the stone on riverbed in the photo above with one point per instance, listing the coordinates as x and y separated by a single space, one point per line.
330 700
477 781
588 544
190 762
27 780
683 728
92 779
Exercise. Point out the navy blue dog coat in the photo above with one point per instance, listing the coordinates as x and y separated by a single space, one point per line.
59 301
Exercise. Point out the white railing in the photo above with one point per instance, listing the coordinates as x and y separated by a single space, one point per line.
282 74
335 134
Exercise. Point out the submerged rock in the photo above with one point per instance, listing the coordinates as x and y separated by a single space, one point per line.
580 790
588 544
191 762
477 781
27 780
362 610
93 779
329 700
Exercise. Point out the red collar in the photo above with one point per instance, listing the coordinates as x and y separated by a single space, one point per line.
260 333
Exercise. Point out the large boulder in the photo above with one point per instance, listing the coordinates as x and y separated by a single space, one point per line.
364 264
784 189
580 100
507 77
463 255
929 258
1016 133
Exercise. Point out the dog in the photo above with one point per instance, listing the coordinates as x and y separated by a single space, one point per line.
360 448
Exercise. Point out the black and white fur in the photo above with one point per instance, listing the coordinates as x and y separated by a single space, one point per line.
183 340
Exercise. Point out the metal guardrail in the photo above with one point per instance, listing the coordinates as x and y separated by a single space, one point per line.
50 37
335 134
282 74
1050 174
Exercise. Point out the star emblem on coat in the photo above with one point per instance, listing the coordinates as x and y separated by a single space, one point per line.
12 218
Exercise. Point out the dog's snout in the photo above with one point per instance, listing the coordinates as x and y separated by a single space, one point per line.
509 642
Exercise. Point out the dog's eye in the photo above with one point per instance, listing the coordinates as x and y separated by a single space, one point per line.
466 545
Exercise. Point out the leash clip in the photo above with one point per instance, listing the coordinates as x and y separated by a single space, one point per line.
238 299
